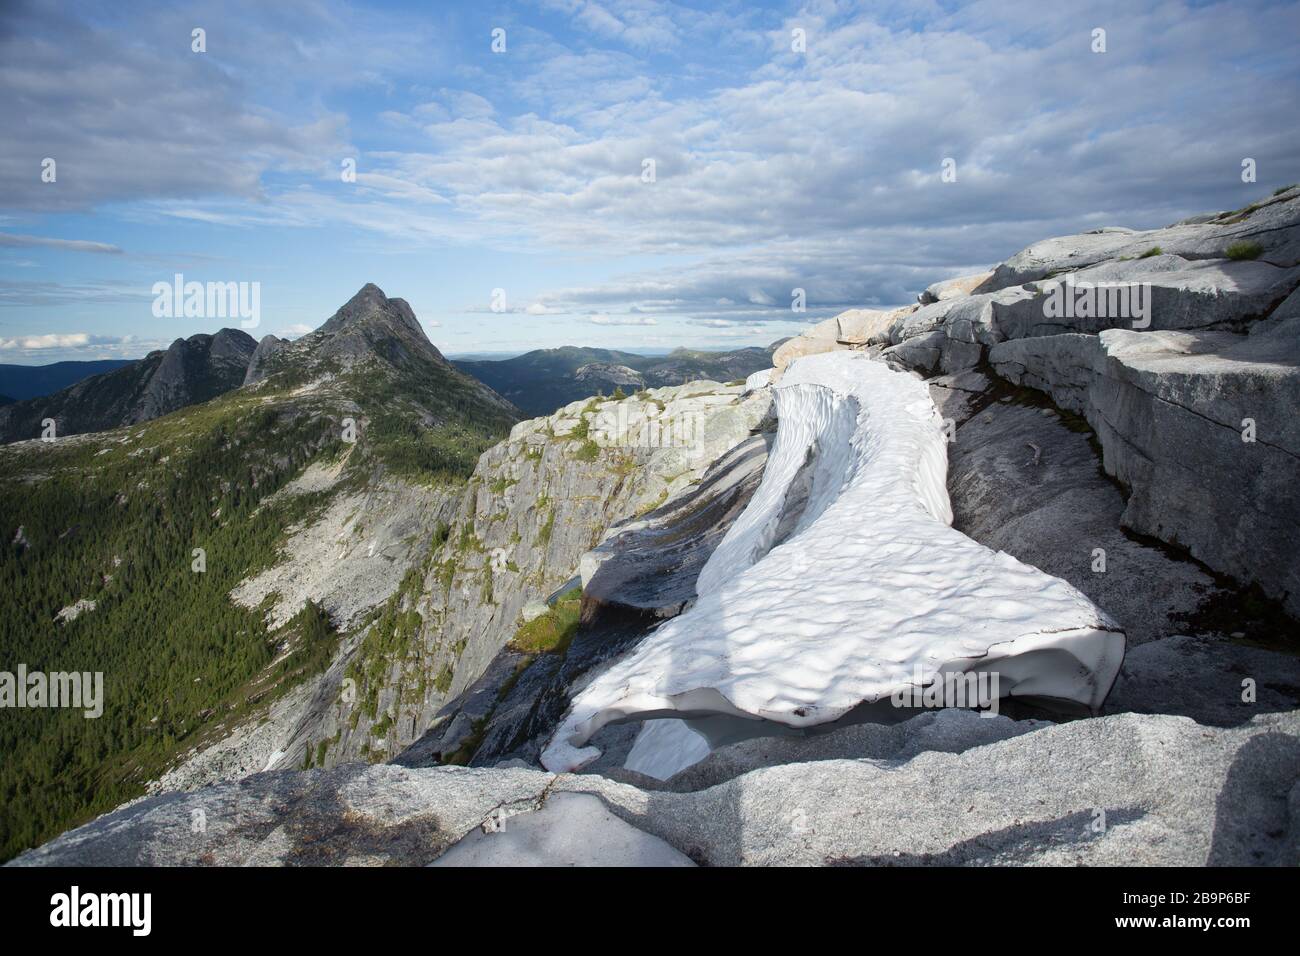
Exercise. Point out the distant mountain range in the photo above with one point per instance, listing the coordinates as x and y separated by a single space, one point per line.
101 395
187 372
31 381
541 381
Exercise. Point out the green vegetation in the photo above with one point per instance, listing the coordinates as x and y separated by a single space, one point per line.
1281 189
1153 251
580 431
443 680
544 532
399 436
552 631
394 633
117 522
589 451
115 519
1240 251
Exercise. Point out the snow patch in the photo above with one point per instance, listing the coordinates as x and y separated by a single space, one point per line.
828 595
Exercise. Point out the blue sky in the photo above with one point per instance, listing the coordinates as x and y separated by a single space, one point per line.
521 170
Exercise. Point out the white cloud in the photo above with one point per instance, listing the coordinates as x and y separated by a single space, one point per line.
622 320
47 341
775 170
68 245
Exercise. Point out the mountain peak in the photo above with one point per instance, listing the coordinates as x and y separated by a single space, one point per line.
370 301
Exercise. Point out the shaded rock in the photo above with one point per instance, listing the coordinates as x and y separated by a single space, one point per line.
1024 479
1206 679
651 563
1170 410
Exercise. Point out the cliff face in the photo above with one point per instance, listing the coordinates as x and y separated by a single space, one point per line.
504 545
188 372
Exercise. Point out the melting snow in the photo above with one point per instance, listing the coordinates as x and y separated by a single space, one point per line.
804 615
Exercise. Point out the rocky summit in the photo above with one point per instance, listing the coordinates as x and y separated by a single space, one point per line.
188 372
714 622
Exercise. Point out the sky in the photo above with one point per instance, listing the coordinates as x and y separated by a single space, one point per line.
621 173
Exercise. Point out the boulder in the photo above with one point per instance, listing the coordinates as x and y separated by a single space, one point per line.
1157 293
953 288
822 337
869 326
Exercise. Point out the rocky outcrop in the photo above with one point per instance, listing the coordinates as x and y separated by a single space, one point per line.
1200 427
257 365
188 372
1170 342
604 377
644 571
942 789
352 557
1269 225
953 288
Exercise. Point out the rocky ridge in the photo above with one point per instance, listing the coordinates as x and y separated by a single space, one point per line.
188 372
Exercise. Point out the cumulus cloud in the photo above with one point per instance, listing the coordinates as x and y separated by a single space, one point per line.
132 113
823 170
774 170
48 341
61 340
